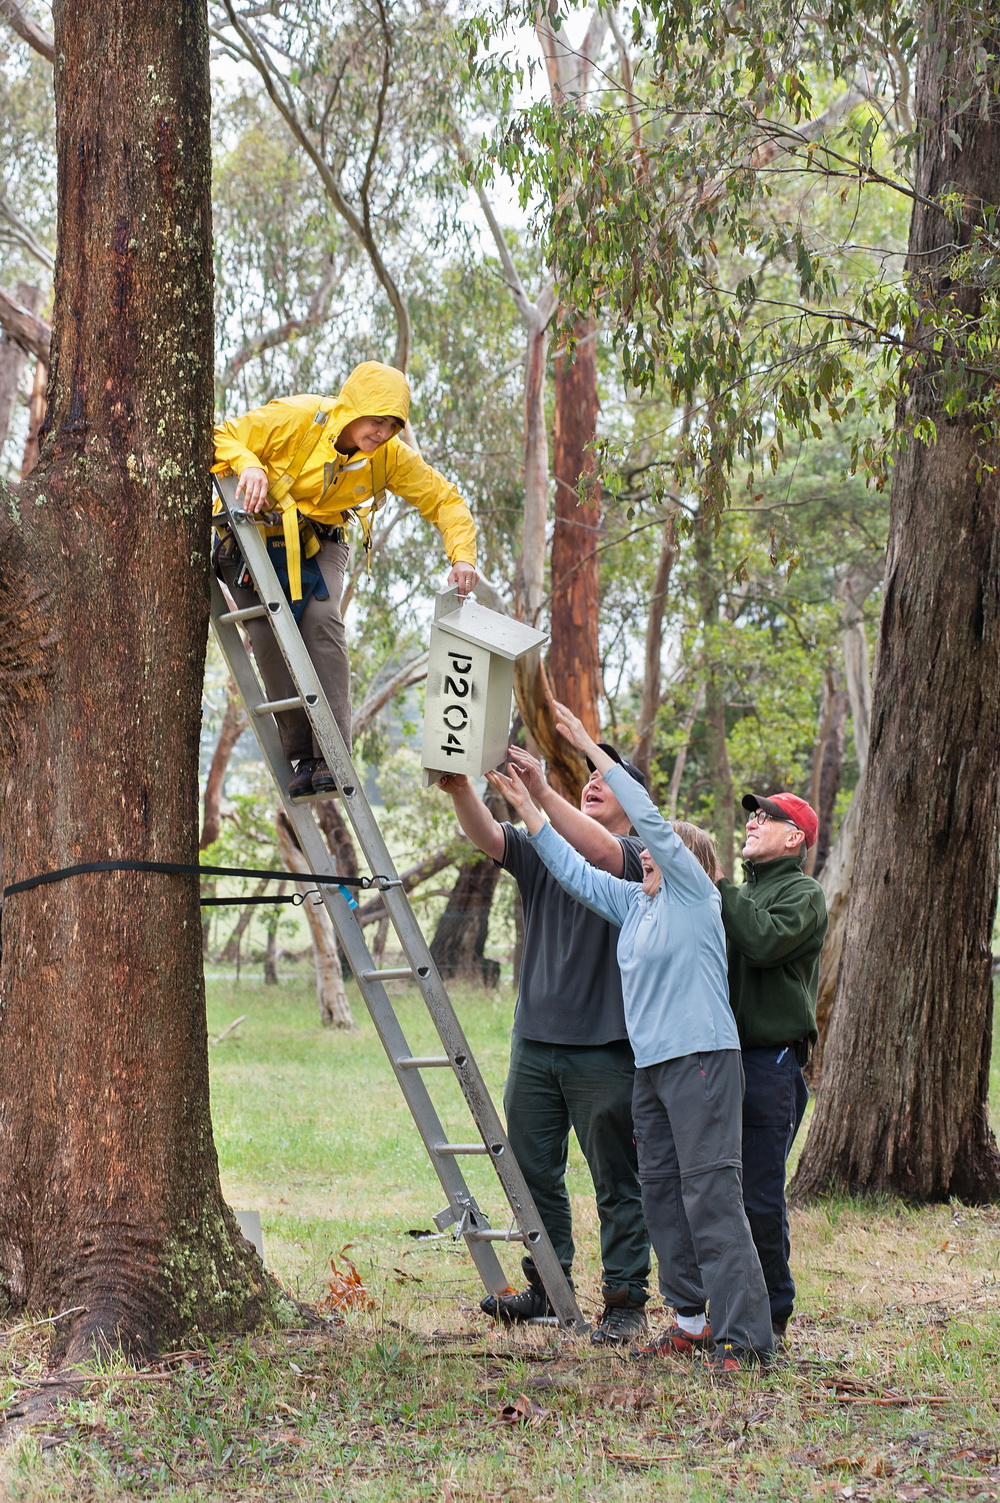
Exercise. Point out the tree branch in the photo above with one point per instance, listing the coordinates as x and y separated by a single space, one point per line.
370 913
315 315
28 29
410 673
19 234
33 334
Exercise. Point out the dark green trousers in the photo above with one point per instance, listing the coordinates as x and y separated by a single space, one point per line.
551 1088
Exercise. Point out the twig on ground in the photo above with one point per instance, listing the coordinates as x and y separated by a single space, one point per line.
49 1320
234 1024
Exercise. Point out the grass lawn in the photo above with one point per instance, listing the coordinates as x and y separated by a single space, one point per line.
891 1389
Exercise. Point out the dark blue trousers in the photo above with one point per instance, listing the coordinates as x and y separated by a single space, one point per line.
774 1101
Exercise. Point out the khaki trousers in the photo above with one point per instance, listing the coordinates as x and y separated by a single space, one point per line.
323 633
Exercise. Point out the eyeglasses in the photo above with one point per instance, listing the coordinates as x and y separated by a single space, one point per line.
761 816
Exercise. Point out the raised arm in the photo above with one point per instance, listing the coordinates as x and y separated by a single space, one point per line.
681 872
472 814
609 896
595 844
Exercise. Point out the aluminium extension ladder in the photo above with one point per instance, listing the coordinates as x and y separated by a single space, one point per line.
461 1212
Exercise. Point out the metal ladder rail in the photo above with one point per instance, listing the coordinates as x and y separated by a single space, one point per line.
462 1208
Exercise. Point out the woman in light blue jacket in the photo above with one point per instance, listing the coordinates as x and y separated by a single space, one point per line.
687 1099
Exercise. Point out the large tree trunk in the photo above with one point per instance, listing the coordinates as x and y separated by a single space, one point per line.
903 1104
109 1184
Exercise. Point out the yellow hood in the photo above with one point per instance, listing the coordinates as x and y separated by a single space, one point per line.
371 390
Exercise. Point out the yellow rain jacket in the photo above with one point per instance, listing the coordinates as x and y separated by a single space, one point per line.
309 480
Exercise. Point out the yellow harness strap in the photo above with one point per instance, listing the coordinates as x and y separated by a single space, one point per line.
366 514
278 493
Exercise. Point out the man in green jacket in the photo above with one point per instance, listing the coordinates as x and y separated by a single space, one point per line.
775 923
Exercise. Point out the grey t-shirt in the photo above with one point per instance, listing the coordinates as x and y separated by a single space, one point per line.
571 987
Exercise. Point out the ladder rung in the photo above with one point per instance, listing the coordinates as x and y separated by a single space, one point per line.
251 613
392 973
424 1062
494 1234
275 706
454 1148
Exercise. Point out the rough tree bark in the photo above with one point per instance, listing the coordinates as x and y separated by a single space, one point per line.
109 1184
903 1103
649 702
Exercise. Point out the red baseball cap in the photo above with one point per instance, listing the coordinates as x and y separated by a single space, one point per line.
790 807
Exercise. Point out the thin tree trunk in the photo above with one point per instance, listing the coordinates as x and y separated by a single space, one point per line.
13 358
531 565
234 723
230 952
109 1185
716 700
381 935
331 994
903 1103
36 415
649 702
271 944
680 761
838 868
836 884
828 761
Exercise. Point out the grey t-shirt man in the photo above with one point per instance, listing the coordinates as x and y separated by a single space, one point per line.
571 988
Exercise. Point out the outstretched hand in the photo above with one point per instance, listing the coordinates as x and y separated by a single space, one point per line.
520 800
572 727
529 770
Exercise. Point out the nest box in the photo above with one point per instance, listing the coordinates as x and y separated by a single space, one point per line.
470 683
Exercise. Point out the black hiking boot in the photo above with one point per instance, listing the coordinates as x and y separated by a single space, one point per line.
514 1309
302 783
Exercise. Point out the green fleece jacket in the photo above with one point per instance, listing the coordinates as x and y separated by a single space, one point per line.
775 926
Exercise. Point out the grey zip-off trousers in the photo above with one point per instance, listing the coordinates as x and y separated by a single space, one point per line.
687 1114
323 633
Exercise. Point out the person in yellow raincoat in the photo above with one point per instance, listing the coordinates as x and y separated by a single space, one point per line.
323 463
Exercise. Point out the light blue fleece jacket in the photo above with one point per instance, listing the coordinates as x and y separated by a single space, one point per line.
671 949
